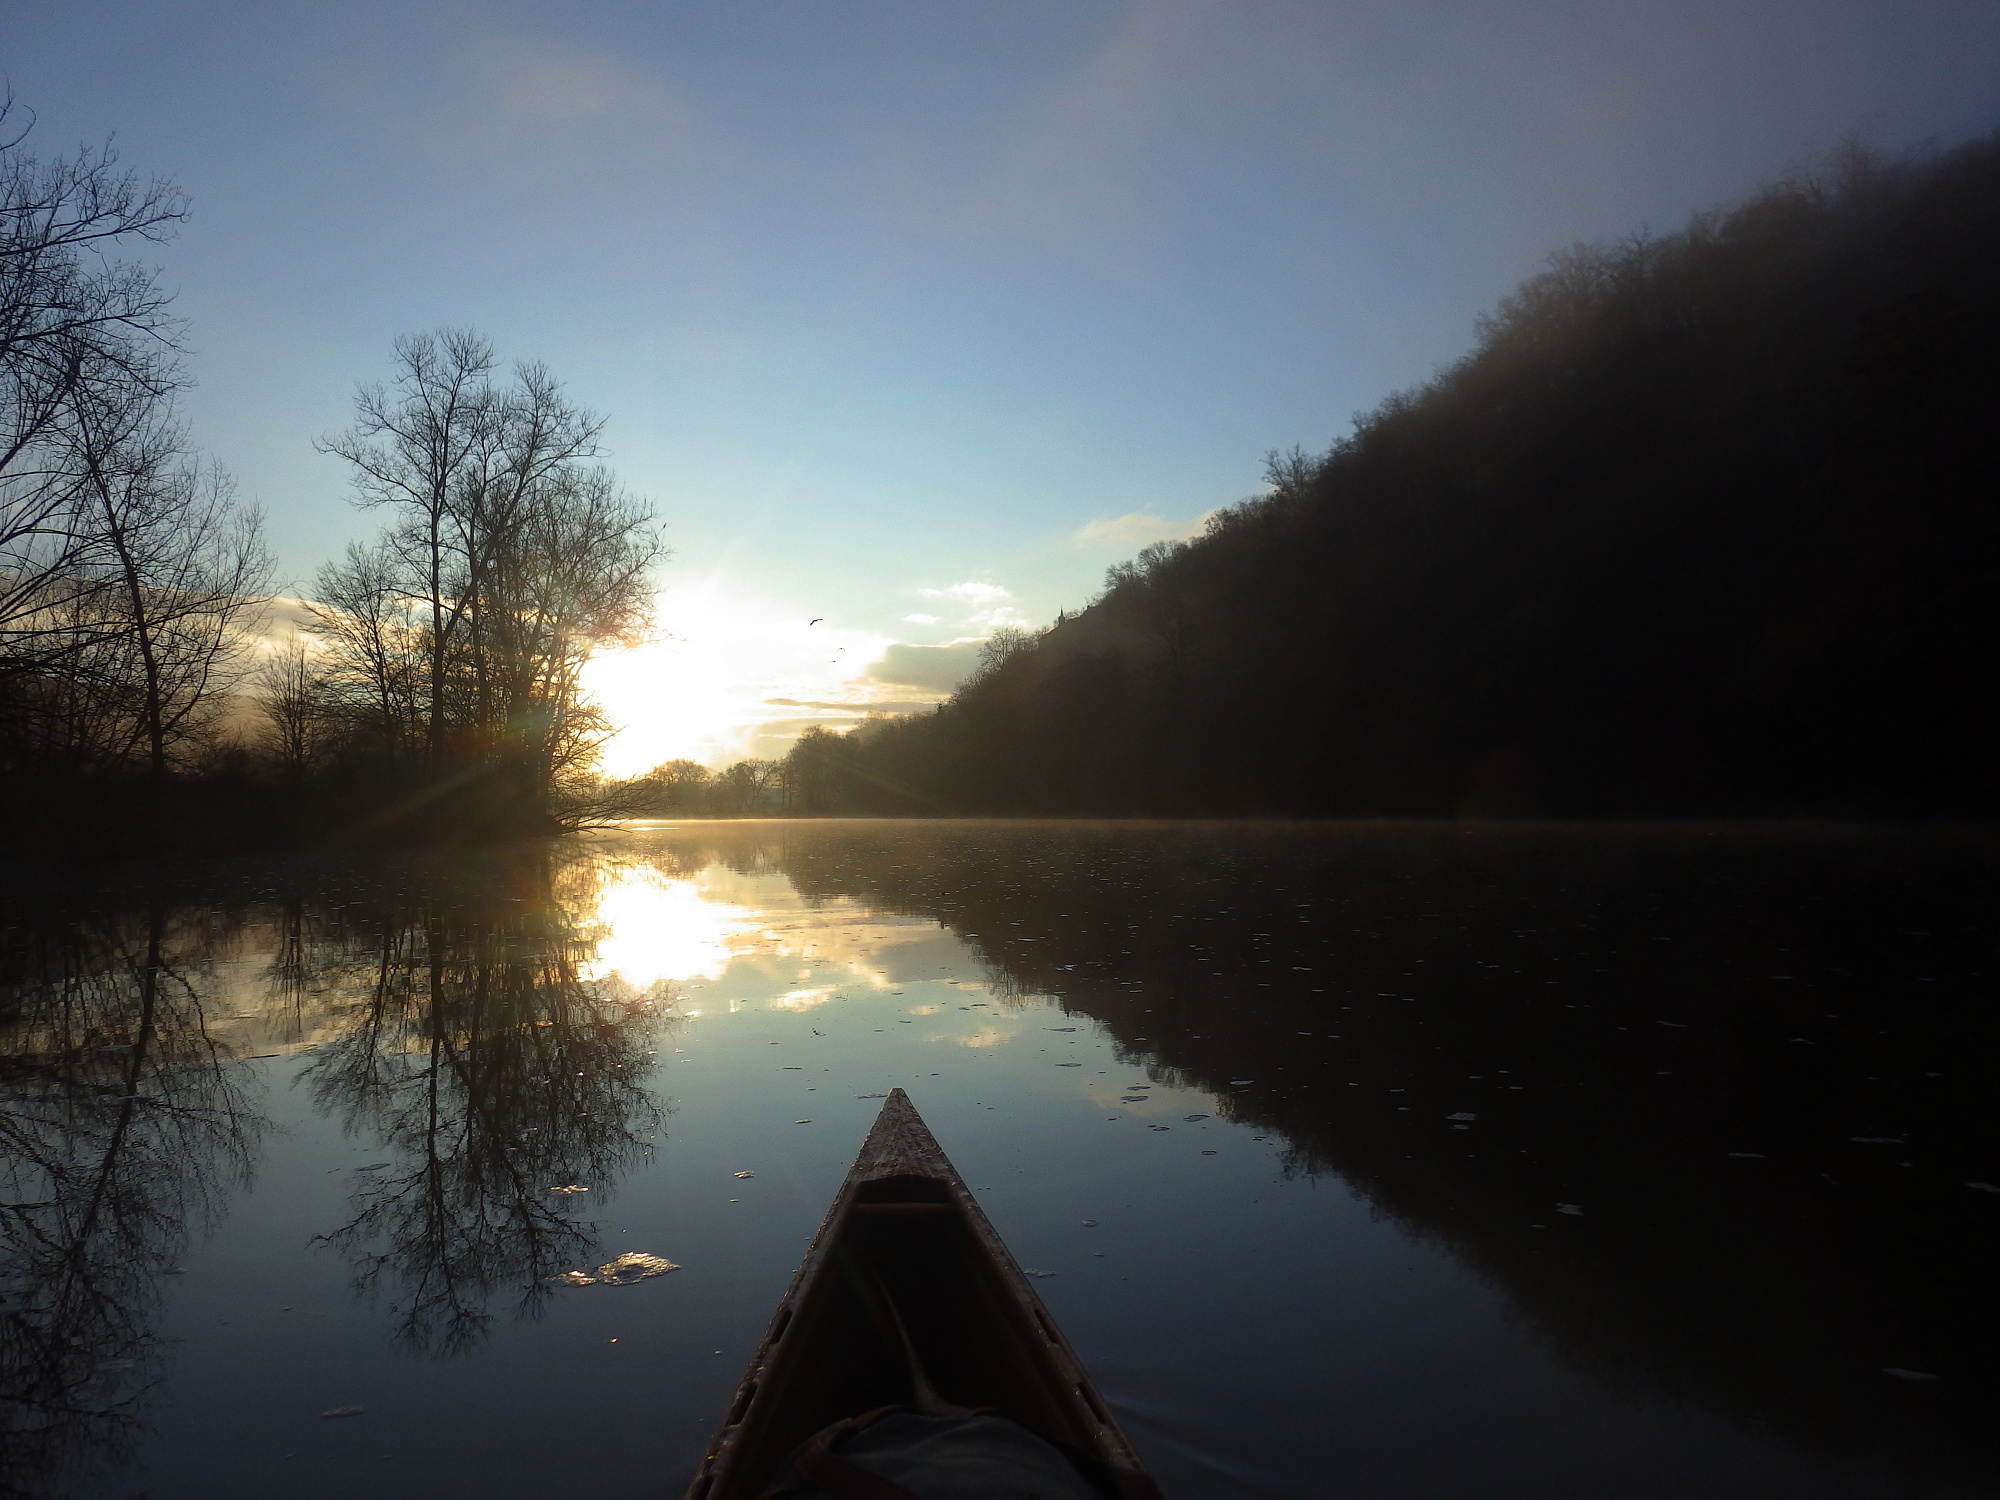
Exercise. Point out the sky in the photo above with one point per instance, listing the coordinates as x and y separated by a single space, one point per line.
910 318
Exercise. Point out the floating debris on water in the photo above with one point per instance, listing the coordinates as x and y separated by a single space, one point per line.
1090 1223
871 1096
109 1366
1891 1370
1751 1155
742 1176
1069 1065
1159 1127
1208 1153
571 1188
1876 1140
802 1122
1464 1114
1190 1119
1132 1099
343 1411
1568 1208
374 1166
1044 1274
1241 1082
634 1265
1983 1187
1058 1028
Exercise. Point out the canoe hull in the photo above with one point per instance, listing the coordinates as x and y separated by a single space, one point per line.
905 1229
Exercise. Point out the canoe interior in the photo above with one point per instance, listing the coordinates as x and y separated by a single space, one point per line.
832 1351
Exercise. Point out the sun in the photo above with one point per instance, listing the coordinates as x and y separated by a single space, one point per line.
701 689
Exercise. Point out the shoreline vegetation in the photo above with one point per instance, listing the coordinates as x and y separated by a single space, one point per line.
432 690
1704 527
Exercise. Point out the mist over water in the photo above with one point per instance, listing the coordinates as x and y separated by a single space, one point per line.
1386 1159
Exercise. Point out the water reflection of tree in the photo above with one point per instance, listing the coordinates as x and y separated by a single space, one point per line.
120 1124
495 1075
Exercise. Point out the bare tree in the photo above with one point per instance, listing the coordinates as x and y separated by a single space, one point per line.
78 331
372 680
750 787
677 786
1001 647
459 460
571 576
293 706
509 560
416 446
127 568
190 568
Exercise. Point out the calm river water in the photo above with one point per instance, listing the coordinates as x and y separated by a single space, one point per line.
1366 1160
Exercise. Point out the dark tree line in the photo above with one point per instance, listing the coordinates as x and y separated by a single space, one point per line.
809 780
1704 525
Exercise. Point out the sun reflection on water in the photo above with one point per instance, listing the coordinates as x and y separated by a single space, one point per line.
656 929
753 939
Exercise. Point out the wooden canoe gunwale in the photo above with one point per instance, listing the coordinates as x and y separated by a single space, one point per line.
902 1184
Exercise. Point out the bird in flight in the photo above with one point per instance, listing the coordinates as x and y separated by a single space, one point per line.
815 622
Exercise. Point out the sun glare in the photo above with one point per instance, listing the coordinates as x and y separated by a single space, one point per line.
702 689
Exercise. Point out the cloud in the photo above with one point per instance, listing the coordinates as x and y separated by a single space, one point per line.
773 739
985 606
791 729
859 706
977 607
1136 528
973 591
1077 158
527 106
534 85
939 668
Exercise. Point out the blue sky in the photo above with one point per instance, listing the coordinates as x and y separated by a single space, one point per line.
887 298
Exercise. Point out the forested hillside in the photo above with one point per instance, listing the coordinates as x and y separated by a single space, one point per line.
1705 524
